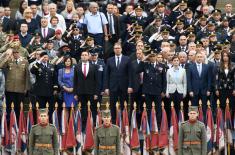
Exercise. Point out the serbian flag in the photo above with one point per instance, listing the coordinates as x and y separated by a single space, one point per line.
78 131
13 131
30 121
174 132
220 129
89 138
154 131
55 121
200 116
38 114
5 139
181 114
228 125
135 142
63 129
98 118
126 132
146 132
21 142
70 137
119 124
210 130
163 136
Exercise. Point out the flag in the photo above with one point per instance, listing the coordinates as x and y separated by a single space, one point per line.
70 137
181 114
89 138
220 129
5 139
21 141
228 125
63 129
174 132
119 124
78 131
163 136
55 121
200 116
210 130
30 121
98 118
146 132
134 142
125 131
13 131
154 130
38 116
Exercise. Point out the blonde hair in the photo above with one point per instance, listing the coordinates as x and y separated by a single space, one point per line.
28 9
70 2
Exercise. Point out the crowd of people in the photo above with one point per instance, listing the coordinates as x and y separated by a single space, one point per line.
138 52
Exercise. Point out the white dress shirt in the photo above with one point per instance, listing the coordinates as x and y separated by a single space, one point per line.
87 67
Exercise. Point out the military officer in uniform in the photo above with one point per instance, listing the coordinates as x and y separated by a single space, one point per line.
43 138
107 136
45 85
192 135
17 78
100 70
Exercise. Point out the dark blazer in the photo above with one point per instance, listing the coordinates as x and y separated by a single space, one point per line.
118 78
46 79
7 24
223 81
86 85
197 84
116 26
135 76
178 49
100 75
50 34
154 82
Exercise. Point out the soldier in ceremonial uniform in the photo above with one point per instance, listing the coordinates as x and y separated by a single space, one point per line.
45 85
107 136
192 135
43 138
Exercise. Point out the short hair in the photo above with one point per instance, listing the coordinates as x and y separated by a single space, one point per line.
54 17
93 4
182 53
117 44
174 57
52 5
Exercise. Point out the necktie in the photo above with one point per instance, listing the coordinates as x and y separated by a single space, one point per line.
16 61
141 77
84 70
183 49
44 32
118 62
199 69
110 24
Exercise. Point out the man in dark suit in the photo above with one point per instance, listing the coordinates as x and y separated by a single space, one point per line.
5 21
45 85
182 44
199 82
117 79
154 83
45 31
137 83
85 85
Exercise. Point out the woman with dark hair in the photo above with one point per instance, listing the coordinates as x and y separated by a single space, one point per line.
176 87
20 11
65 79
224 80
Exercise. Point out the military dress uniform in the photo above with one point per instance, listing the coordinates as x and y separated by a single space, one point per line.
192 137
17 81
107 138
43 140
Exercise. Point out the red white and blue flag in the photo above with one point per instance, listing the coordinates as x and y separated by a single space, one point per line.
146 132
78 131
13 132
220 141
21 142
55 121
135 142
154 131
210 130
126 132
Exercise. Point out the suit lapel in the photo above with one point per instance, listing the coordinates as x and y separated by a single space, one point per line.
195 68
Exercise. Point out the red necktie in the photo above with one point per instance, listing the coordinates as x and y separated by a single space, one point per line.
84 70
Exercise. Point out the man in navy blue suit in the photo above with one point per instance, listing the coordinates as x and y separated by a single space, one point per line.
199 82
117 79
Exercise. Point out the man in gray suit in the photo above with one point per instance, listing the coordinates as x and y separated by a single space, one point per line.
176 88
